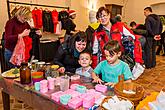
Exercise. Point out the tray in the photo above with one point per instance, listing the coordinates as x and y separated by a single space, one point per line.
9 74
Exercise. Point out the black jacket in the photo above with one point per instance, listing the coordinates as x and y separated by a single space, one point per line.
65 57
90 34
153 25
68 25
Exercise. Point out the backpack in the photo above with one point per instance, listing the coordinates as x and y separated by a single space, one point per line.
128 44
128 55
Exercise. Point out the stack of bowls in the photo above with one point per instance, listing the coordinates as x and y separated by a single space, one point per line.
37 76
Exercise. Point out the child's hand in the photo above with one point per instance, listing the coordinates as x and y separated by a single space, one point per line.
110 84
98 80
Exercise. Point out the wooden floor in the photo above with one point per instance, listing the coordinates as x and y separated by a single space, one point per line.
151 80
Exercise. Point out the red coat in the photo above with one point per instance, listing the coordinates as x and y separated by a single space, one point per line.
120 28
102 38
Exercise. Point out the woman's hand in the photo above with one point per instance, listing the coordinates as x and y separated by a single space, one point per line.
25 33
110 84
38 32
157 37
61 70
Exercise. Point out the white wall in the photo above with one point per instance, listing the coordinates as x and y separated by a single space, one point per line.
132 9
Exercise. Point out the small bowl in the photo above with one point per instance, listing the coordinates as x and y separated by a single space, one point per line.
37 75
36 79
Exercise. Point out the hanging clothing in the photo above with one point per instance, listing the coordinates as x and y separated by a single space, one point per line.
37 18
55 19
58 28
47 21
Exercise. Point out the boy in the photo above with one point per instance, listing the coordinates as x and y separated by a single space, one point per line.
112 67
85 62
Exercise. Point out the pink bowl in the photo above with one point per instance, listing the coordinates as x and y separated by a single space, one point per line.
37 79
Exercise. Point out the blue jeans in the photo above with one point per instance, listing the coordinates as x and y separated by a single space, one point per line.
7 56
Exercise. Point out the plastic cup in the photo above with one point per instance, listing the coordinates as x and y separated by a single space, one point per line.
64 83
37 86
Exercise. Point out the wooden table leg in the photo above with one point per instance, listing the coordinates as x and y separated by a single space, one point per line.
6 100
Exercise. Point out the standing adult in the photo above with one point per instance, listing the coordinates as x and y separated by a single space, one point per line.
101 36
154 28
17 27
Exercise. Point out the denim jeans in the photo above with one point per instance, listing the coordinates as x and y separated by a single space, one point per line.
7 56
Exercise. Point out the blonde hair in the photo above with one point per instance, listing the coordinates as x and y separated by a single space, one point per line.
24 11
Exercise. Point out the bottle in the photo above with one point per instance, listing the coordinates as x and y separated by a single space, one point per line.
25 73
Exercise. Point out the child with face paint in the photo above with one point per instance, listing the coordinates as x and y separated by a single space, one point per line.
112 67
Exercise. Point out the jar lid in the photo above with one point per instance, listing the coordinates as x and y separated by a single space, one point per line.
35 61
41 63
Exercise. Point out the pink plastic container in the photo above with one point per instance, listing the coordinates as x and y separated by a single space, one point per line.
44 86
88 101
72 93
56 96
73 86
51 82
75 102
90 91
101 88
97 95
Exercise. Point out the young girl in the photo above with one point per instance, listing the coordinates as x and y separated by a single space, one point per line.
112 67
85 62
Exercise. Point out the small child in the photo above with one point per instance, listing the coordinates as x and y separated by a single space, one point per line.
112 67
85 62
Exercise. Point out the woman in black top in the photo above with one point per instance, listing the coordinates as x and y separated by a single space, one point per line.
69 51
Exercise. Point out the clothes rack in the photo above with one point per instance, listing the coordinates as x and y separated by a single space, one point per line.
32 4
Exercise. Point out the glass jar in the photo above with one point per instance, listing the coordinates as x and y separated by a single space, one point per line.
25 73
41 67
34 65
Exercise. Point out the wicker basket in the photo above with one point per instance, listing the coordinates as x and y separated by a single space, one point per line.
138 89
109 97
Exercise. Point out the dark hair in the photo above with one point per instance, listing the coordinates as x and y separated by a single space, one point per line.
86 52
118 18
80 36
99 12
148 8
112 46
133 23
